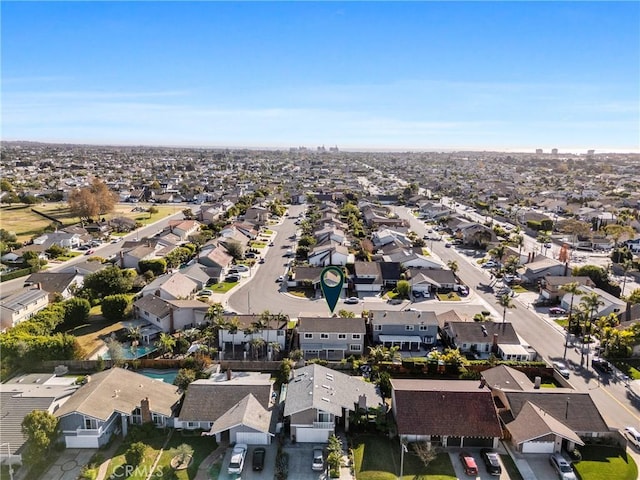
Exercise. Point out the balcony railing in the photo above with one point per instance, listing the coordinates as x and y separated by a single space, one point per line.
324 425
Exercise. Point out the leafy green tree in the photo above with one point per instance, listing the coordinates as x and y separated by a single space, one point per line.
634 297
135 453
41 429
109 281
235 249
166 343
76 311
403 288
114 307
574 289
599 276
178 256
55 251
184 377
157 266
342 313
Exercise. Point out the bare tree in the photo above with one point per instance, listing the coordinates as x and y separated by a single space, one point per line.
426 452
92 201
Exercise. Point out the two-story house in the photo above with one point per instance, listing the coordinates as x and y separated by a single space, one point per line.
170 315
331 338
551 286
318 398
175 286
21 305
408 330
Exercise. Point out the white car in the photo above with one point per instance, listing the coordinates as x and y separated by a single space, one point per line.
242 268
562 369
204 293
633 436
236 464
562 467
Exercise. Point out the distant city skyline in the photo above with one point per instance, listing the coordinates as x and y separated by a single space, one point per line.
503 76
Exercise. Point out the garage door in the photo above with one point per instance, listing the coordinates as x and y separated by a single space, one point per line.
312 435
477 442
253 438
81 442
538 447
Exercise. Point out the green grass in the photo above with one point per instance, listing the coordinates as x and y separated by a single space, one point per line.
116 465
257 244
563 322
548 385
519 289
202 446
223 287
378 458
510 467
301 293
68 256
604 463
448 297
267 232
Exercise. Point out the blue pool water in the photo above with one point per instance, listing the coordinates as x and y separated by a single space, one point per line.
131 353
167 376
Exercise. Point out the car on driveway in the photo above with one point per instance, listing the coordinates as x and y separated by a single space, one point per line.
468 463
352 300
317 463
236 464
601 365
562 369
492 461
560 464
257 461
204 293
633 436
489 264
557 311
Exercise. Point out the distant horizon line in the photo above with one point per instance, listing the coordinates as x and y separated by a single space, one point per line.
353 149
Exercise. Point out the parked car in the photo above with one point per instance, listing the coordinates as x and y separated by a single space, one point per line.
492 461
633 436
280 279
232 278
242 268
317 464
601 365
557 311
562 369
463 290
489 264
447 245
563 467
91 251
468 463
352 300
250 255
257 461
204 293
236 464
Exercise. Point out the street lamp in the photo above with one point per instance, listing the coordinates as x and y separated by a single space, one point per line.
404 449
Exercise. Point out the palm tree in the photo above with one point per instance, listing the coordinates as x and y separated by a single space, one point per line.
166 343
505 302
133 333
219 324
498 252
590 302
233 326
518 241
453 266
574 289
627 265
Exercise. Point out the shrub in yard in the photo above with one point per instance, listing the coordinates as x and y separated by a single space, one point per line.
135 453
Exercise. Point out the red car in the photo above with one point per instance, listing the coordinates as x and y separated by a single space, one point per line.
469 463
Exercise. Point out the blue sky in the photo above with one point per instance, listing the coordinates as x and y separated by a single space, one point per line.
382 75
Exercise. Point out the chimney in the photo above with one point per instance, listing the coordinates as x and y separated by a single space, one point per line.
362 402
229 374
494 346
145 411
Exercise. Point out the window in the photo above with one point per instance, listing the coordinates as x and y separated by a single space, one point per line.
355 336
90 424
408 327
423 328
377 328
324 335
158 420
281 333
308 335
324 417
342 336
355 348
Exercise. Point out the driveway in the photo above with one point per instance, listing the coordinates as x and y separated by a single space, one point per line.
69 464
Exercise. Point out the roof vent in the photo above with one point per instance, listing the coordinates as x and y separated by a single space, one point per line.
325 399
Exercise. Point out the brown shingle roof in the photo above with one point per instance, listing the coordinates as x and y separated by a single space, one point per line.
435 407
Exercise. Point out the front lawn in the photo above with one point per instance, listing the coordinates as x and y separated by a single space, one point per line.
223 287
257 244
448 297
202 446
378 458
603 463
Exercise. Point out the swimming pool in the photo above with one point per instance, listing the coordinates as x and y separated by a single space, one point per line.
131 353
167 376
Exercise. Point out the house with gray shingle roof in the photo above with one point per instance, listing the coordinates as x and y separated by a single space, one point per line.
170 315
21 305
406 329
20 396
112 400
55 282
331 338
221 404
318 398
173 286
448 413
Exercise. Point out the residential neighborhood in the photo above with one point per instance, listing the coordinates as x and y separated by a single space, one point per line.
476 312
